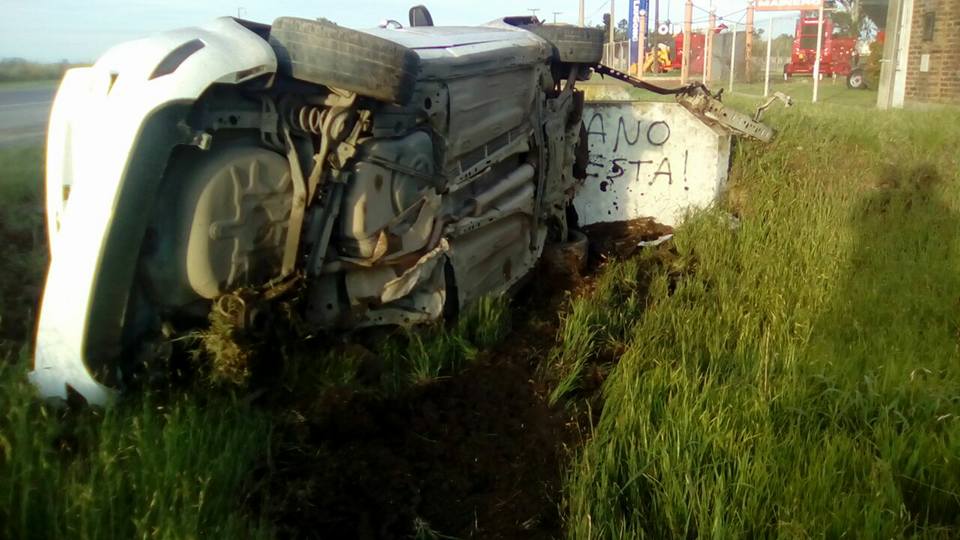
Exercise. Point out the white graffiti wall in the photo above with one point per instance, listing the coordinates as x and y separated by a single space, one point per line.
649 160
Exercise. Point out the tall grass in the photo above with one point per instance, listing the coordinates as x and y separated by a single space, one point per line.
800 377
22 237
428 355
142 469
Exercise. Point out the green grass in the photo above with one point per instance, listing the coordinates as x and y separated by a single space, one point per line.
22 235
798 88
28 85
140 469
796 375
801 90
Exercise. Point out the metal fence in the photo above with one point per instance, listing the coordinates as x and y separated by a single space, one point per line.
722 55
617 55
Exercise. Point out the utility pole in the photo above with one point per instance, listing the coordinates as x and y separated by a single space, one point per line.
533 11
711 34
766 71
613 21
748 43
855 15
555 13
733 57
816 63
582 14
642 44
656 15
687 37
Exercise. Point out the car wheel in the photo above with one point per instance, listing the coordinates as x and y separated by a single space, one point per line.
566 261
856 80
572 44
322 52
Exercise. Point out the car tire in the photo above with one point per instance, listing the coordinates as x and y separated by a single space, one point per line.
322 52
856 80
566 262
572 44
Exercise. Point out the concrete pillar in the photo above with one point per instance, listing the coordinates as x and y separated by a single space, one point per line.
711 33
613 20
687 38
642 45
748 43
888 65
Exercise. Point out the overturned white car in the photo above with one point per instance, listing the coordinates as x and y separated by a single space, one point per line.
393 176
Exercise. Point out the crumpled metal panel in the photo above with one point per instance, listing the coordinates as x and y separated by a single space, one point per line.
486 107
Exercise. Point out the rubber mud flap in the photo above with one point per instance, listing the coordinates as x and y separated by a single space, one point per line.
322 52
573 44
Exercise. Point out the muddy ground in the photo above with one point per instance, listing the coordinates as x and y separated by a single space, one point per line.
479 454
475 455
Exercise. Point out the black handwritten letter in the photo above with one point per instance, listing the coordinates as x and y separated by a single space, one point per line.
603 131
658 133
663 170
622 128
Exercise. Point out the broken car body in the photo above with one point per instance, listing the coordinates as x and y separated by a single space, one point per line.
389 177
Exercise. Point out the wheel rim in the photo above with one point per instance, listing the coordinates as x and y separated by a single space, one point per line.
856 81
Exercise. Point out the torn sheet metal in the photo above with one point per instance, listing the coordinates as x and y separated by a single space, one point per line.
649 160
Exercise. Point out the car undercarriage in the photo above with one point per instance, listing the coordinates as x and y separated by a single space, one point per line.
387 177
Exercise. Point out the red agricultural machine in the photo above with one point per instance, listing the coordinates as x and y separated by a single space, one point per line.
698 47
838 54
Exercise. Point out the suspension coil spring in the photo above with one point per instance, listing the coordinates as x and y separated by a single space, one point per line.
308 119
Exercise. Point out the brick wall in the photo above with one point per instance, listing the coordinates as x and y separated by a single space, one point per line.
941 84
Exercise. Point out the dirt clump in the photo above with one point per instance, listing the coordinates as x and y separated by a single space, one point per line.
621 239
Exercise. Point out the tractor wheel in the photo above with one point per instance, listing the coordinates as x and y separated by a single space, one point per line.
323 53
571 44
856 80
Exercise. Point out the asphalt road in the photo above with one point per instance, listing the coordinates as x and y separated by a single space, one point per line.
23 114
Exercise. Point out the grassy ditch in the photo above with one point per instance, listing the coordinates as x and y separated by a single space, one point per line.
791 372
800 376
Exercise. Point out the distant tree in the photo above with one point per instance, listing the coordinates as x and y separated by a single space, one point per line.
622 33
18 69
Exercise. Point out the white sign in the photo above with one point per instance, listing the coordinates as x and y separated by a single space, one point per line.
637 13
649 160
785 5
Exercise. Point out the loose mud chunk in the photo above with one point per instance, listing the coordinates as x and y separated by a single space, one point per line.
620 239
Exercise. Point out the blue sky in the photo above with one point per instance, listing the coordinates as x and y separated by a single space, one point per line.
81 30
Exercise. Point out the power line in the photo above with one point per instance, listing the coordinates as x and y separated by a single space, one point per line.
603 5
